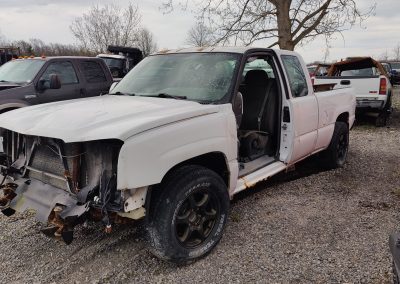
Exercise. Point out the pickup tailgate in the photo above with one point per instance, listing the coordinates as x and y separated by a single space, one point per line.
366 89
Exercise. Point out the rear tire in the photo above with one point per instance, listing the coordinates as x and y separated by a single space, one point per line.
188 215
335 155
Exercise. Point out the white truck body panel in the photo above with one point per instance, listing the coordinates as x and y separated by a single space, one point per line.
104 117
172 144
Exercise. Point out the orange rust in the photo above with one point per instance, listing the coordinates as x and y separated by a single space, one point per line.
8 193
108 229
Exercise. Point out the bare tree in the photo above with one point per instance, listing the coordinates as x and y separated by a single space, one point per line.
3 40
285 23
107 25
200 35
396 52
145 42
37 47
384 56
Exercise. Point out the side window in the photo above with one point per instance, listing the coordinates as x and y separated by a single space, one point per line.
297 79
64 70
93 72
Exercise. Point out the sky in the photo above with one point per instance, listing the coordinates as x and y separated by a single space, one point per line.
49 20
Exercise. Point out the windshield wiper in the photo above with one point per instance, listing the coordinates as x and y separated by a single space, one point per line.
121 94
168 96
4 81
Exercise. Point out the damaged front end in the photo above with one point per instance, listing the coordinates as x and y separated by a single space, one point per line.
63 183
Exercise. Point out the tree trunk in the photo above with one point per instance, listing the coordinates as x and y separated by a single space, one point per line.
285 40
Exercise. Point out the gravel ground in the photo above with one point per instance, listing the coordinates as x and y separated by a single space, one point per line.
308 226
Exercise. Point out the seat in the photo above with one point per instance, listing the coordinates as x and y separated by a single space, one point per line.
259 120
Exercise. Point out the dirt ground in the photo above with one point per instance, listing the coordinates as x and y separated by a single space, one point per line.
310 226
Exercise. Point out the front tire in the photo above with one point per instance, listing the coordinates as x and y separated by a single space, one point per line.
189 214
335 155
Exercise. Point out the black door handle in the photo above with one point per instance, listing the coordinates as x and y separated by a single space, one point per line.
286 114
345 82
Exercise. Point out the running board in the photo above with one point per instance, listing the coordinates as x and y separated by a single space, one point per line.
259 175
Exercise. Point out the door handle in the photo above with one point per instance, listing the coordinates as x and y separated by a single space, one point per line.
286 114
345 82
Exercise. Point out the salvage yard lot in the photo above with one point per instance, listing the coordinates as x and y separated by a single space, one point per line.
308 226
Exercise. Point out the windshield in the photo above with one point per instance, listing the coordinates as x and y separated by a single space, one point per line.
195 76
20 71
112 62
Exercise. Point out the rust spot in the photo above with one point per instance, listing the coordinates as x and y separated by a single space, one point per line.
8 194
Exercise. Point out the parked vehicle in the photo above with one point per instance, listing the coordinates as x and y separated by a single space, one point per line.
370 82
8 53
176 139
25 82
122 59
316 70
394 75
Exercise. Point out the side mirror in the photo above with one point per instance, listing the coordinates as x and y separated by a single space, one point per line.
237 107
54 81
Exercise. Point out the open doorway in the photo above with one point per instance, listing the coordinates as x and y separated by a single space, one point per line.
258 128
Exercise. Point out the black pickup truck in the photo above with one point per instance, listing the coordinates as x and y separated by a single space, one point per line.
25 82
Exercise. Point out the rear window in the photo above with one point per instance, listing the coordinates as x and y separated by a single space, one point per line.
360 72
93 72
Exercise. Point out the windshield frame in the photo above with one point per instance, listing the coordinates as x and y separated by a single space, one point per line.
223 100
32 80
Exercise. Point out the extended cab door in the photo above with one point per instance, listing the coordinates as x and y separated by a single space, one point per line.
70 85
300 115
95 76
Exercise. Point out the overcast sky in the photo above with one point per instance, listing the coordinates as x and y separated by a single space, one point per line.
49 20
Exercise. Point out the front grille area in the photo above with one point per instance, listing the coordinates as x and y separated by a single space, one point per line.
89 168
52 167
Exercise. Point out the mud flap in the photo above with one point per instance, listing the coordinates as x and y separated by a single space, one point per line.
8 212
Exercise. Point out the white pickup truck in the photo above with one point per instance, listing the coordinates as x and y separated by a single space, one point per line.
176 139
370 82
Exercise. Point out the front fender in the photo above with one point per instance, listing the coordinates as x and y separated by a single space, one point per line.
145 158
11 104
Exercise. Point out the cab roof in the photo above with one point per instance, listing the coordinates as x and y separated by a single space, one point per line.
211 49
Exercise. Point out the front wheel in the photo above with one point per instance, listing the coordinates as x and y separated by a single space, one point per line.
189 215
335 155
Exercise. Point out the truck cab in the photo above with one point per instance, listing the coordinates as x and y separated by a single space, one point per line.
38 80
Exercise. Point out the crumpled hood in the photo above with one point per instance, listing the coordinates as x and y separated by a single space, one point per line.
105 117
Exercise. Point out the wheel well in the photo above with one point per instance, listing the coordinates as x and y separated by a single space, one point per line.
344 117
214 161
7 109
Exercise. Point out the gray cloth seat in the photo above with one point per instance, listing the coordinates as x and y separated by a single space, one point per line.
259 121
